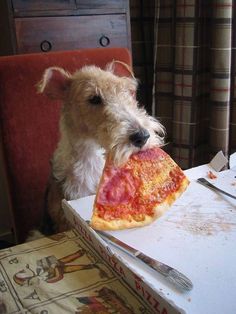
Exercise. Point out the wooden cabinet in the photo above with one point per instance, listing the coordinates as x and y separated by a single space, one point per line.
41 26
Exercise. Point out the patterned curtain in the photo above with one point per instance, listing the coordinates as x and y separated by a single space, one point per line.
194 77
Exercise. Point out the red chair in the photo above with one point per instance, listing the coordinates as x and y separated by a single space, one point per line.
29 126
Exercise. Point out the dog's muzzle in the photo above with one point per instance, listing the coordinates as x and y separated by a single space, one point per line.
139 139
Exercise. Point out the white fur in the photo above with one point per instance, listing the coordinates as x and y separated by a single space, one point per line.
79 167
34 235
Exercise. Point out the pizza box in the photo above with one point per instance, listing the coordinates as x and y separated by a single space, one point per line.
196 236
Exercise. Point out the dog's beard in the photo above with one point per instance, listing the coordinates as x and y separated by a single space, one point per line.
119 148
121 152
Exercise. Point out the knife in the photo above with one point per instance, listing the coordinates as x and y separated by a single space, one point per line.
173 275
206 183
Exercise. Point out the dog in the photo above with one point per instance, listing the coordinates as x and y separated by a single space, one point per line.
100 114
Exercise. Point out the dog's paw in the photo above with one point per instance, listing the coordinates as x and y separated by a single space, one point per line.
34 235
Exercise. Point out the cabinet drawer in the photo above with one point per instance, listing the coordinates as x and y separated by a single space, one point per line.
101 4
68 33
42 5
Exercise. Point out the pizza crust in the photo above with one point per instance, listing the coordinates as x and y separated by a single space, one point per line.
99 223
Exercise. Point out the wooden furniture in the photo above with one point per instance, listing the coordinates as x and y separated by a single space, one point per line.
43 26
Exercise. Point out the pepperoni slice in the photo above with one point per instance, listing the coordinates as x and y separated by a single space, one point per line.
119 187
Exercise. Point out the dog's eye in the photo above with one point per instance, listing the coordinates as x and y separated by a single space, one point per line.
95 100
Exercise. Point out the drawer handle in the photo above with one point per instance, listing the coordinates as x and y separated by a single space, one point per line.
104 41
45 46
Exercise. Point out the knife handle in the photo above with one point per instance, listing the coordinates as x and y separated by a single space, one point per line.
170 273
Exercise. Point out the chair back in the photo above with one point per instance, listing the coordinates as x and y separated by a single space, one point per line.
29 125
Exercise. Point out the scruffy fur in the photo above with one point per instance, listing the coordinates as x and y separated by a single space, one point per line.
99 114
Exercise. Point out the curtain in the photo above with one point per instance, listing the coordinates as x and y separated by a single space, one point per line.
194 93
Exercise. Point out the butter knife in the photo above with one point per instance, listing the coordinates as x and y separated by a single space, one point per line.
173 275
206 183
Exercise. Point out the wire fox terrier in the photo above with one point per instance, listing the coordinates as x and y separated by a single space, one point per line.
100 114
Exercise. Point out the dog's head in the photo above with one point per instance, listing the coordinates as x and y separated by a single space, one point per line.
101 105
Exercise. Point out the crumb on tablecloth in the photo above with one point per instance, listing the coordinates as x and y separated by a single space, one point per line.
211 175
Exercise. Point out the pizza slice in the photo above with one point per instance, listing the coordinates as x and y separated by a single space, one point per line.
138 192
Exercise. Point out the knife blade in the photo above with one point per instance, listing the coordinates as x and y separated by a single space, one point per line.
173 275
206 183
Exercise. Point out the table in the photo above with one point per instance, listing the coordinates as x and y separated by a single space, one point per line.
65 274
196 236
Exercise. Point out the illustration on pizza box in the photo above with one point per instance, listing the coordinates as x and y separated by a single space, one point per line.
62 272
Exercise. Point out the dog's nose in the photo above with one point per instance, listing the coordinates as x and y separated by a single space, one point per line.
139 138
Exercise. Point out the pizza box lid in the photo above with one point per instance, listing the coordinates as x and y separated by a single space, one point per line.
196 236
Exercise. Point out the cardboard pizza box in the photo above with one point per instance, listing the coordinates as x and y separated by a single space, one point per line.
76 212
196 236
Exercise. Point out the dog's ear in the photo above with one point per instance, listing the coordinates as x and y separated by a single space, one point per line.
54 83
120 68
131 84
123 70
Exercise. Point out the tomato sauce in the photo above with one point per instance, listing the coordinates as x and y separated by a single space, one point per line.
121 195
